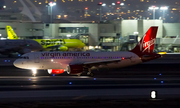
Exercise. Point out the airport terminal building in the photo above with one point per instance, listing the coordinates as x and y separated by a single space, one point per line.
108 36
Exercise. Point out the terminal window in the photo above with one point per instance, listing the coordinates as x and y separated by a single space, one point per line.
73 30
108 39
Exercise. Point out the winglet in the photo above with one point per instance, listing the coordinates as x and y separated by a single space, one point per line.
10 32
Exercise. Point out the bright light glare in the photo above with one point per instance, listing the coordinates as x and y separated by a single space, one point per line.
153 7
68 35
164 8
122 4
65 16
34 71
113 4
136 33
103 4
52 4
153 94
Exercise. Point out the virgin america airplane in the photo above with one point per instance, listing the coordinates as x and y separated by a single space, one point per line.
76 63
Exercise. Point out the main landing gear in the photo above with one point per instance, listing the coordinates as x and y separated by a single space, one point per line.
90 73
86 72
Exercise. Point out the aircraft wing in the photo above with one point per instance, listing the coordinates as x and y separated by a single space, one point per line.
8 50
13 49
102 62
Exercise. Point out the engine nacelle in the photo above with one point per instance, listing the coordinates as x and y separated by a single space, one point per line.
63 48
23 51
74 69
55 71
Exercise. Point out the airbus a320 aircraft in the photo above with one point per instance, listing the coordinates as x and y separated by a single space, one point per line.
51 44
7 47
75 63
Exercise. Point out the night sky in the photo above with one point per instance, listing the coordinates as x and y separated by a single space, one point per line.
75 3
77 8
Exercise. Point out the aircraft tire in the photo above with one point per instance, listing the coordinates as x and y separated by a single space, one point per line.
91 74
79 74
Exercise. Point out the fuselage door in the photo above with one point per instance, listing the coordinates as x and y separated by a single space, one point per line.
36 56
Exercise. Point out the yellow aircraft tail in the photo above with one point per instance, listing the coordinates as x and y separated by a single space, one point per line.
10 32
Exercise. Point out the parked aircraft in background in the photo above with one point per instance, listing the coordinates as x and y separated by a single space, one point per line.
51 44
7 47
75 63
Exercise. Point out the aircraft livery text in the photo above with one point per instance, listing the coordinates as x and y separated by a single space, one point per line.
64 54
53 42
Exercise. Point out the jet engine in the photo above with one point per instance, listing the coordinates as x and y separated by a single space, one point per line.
55 71
74 69
63 48
23 51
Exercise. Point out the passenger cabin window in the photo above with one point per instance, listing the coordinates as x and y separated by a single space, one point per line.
24 57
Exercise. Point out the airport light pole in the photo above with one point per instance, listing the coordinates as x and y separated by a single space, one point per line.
100 10
154 8
118 8
51 4
86 12
100 4
163 8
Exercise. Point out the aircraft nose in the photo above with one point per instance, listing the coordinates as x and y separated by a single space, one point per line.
19 64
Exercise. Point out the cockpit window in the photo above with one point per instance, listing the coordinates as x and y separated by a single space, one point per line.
24 57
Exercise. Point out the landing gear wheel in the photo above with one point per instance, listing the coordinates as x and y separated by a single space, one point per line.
91 74
79 74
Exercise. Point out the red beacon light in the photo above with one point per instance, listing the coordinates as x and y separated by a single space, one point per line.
100 3
118 2
86 8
